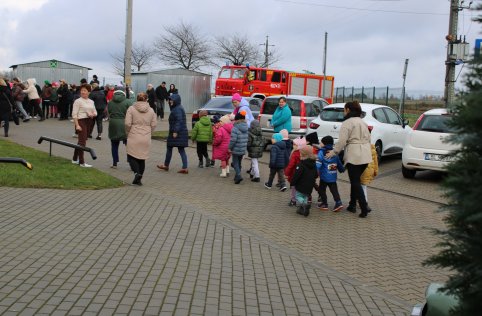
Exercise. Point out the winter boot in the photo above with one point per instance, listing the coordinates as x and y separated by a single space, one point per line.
227 171
306 210
208 163
200 164
137 179
223 173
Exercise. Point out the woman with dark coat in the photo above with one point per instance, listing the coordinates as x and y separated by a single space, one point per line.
178 134
100 103
117 131
172 89
6 102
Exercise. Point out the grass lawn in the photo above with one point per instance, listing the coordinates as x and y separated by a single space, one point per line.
49 172
412 118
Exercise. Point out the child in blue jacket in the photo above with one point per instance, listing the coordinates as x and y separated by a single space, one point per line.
328 169
277 162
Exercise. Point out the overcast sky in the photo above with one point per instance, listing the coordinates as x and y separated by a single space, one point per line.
368 40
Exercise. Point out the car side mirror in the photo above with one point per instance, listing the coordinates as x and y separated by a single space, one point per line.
405 122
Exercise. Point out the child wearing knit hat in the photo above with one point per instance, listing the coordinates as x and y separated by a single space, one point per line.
277 162
238 143
221 140
304 179
298 143
328 169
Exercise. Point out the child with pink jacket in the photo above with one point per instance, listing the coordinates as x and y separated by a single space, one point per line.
221 144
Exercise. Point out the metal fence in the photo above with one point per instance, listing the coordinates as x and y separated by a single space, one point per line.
383 95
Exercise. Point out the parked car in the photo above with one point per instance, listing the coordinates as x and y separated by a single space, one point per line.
303 110
388 130
223 105
426 147
436 303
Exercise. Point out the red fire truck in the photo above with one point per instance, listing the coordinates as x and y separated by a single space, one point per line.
263 82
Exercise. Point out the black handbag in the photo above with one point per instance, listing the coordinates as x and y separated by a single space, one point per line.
13 111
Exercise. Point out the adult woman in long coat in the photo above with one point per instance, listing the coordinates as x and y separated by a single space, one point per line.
178 134
140 123
117 109
354 138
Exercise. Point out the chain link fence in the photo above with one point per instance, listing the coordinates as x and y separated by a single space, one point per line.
416 101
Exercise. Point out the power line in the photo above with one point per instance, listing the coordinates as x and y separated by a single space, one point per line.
360 9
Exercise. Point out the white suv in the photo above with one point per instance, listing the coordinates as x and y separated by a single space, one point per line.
426 147
388 130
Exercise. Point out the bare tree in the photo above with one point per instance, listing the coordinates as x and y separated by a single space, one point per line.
236 49
141 58
184 46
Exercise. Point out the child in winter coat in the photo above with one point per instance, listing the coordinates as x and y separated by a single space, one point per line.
216 125
255 149
238 143
277 162
304 179
370 172
202 134
327 169
288 142
221 144
298 143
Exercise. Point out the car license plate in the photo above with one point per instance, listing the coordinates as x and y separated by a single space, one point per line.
436 157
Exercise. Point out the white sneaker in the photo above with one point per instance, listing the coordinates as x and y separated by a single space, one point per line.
75 162
85 165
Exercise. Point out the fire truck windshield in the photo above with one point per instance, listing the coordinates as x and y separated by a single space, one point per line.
227 73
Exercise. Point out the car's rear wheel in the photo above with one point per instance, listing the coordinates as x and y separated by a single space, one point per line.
379 149
408 173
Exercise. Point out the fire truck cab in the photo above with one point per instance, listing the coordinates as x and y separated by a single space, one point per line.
263 82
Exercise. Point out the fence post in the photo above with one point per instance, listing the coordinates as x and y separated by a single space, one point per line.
362 92
374 91
386 98
352 93
343 94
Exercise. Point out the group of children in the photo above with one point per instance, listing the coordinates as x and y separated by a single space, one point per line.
300 161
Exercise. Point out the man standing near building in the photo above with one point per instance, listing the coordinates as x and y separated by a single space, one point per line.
162 95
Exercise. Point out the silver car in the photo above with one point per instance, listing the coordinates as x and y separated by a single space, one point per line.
304 109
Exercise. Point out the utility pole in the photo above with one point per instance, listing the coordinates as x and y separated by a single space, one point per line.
401 108
449 93
266 52
324 65
128 46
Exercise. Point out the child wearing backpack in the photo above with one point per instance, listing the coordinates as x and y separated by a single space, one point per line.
304 180
295 158
277 162
255 149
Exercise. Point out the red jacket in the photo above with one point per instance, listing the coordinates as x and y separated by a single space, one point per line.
290 168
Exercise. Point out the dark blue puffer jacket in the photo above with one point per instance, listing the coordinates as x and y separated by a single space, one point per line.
177 124
277 159
239 138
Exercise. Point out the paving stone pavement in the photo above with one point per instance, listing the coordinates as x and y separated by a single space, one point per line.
177 244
